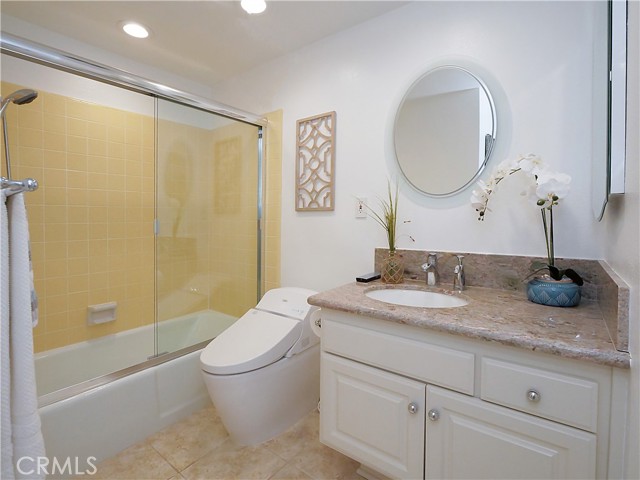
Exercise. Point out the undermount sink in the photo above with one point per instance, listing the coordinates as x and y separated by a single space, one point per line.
416 298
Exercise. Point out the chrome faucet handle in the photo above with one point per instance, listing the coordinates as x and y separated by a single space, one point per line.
458 275
431 269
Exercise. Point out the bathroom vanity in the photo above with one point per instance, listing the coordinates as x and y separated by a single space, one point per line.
496 388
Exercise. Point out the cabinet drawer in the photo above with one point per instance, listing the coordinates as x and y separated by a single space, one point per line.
430 363
562 398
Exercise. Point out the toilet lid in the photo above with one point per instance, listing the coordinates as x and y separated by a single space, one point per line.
253 341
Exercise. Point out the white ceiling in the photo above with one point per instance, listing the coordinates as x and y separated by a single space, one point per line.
204 41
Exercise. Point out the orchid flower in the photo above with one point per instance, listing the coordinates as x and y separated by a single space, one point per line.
547 189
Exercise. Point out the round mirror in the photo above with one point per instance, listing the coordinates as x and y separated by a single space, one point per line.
444 131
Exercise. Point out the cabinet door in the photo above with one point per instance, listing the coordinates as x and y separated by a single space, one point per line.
473 439
373 416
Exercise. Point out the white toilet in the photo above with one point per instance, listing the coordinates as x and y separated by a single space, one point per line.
263 372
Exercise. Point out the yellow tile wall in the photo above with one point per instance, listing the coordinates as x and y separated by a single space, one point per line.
91 220
207 206
184 160
233 260
273 201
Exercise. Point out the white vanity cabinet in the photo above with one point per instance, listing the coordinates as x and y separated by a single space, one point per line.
470 438
373 416
412 403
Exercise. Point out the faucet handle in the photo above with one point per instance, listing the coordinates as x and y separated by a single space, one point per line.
458 275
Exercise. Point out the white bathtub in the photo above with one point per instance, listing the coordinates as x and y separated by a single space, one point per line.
104 420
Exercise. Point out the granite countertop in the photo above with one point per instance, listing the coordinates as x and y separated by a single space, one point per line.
495 315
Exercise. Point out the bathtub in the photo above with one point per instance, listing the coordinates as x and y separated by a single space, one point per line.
105 412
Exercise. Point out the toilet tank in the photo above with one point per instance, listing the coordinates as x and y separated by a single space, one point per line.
288 301
292 302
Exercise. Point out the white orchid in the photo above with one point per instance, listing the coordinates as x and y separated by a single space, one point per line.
545 191
547 188
531 164
480 197
506 167
550 187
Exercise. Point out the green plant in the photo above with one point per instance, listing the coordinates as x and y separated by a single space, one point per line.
388 216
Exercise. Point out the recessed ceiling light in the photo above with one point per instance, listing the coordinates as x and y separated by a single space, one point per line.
135 30
253 6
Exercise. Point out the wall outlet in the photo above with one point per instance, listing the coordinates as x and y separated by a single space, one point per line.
361 207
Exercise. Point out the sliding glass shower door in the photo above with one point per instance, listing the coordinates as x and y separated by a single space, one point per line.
207 237
144 230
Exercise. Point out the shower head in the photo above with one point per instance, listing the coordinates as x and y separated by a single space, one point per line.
19 97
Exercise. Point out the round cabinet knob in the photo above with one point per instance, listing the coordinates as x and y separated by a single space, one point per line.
533 396
413 408
433 414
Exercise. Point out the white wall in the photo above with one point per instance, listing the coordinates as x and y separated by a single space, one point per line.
537 60
622 226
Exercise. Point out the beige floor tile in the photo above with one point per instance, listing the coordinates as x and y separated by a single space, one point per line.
185 442
289 473
230 461
324 463
139 462
302 435
199 448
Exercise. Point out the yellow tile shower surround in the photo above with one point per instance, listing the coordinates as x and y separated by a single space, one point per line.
207 240
89 243
91 220
273 202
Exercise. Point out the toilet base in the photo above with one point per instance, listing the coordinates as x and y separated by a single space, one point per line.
258 405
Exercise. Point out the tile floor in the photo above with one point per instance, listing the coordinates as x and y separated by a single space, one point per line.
200 448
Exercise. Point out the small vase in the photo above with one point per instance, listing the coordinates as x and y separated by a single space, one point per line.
554 293
392 270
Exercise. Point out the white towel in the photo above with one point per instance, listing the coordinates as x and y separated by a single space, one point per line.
6 463
26 434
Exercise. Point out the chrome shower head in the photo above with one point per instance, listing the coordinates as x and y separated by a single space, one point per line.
19 97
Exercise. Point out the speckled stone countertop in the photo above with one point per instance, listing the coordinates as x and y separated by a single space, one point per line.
495 315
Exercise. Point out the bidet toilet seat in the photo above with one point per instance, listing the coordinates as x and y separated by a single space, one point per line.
255 340
263 372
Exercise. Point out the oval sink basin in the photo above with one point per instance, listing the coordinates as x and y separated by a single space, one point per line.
416 298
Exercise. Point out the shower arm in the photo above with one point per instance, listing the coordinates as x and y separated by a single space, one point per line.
4 103
6 147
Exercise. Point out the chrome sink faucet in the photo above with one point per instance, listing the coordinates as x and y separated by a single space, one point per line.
458 275
431 269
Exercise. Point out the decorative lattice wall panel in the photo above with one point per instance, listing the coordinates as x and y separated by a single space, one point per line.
315 162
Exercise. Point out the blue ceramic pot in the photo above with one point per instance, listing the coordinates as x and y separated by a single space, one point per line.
553 293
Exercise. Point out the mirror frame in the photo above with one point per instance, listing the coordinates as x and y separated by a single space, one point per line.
494 130
618 12
613 183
